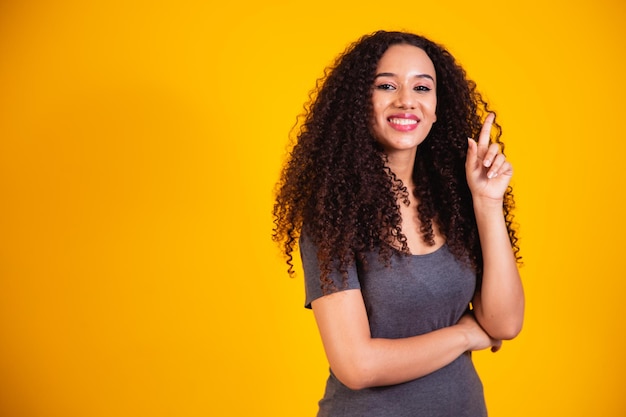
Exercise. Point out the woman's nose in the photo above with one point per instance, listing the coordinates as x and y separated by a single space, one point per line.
404 99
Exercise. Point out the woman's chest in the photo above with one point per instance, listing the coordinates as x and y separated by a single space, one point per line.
416 294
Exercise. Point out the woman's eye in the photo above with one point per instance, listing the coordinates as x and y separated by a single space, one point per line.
384 87
421 88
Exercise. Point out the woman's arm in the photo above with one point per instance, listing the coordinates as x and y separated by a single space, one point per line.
499 303
360 361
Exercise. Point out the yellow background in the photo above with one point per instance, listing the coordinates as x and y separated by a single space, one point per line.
139 145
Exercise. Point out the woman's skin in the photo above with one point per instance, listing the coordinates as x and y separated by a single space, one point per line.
404 109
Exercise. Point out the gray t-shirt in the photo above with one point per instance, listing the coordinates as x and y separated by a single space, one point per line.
416 294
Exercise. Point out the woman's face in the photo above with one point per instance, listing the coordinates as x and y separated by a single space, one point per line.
404 98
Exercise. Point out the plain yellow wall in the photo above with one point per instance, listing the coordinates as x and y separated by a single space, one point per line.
139 145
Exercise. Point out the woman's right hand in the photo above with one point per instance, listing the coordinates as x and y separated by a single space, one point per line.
478 339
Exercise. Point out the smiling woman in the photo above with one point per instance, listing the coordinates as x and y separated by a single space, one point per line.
138 150
404 98
401 227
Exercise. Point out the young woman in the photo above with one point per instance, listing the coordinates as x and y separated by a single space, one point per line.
401 204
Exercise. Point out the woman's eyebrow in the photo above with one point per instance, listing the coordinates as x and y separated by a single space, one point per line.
391 74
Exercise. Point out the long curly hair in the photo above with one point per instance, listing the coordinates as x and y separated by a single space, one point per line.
336 185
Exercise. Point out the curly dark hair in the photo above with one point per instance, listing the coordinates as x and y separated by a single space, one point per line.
337 186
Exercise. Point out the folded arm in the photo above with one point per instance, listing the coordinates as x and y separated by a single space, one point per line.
360 361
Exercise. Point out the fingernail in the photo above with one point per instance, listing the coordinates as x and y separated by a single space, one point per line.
487 162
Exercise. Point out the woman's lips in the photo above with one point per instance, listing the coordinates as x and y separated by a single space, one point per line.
403 122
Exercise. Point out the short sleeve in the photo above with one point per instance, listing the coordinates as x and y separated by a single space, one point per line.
312 273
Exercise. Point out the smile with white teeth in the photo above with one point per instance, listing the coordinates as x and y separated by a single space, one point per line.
402 121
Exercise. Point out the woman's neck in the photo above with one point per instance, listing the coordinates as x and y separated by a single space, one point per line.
401 164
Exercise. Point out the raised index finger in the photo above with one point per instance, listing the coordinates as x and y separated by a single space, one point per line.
485 133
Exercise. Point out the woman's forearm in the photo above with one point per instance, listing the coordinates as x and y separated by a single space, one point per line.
360 361
499 303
